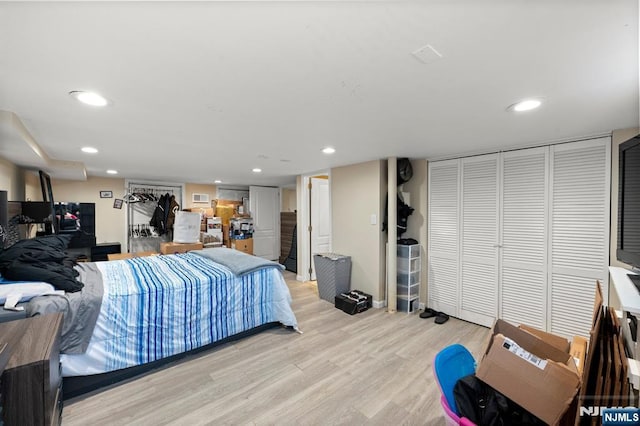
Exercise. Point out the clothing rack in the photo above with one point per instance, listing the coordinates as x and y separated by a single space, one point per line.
141 200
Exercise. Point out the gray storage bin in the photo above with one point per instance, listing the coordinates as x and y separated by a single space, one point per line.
333 274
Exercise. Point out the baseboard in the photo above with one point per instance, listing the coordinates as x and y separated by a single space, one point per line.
379 303
299 278
421 306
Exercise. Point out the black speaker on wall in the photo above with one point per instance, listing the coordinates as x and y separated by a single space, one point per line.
4 212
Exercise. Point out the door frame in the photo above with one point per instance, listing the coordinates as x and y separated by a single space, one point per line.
304 242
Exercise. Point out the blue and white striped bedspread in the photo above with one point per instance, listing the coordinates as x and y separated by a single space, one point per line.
158 306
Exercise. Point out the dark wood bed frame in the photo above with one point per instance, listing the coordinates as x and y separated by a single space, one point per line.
78 385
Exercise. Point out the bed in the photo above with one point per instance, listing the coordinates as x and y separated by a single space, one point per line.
135 314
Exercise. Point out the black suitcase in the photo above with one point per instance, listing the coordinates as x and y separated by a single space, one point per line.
368 296
353 302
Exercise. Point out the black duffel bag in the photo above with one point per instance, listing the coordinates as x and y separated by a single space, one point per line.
485 406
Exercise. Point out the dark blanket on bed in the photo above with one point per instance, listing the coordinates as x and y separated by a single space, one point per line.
80 309
41 259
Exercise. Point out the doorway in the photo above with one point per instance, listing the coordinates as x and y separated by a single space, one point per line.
316 222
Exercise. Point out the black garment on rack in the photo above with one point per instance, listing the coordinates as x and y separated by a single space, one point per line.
166 206
403 211
158 220
173 208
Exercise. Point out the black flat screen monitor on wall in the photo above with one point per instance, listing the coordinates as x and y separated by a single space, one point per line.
628 250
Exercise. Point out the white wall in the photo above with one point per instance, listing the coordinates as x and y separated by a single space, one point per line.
12 180
289 200
356 194
195 188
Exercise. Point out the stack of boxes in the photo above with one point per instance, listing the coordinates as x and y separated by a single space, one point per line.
557 381
241 234
532 368
222 225
212 237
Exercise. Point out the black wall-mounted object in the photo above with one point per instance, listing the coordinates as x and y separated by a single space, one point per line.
628 249
4 217
35 212
47 197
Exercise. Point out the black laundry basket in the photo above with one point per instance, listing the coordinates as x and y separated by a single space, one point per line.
333 274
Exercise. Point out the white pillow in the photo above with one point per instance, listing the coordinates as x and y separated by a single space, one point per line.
28 290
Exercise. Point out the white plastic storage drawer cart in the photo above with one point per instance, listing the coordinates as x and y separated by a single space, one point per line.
408 274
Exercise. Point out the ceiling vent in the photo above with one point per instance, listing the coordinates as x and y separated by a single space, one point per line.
426 54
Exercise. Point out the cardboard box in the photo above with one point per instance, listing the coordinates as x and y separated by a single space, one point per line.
225 212
119 256
214 226
552 339
578 351
245 245
531 372
172 248
211 238
145 253
204 211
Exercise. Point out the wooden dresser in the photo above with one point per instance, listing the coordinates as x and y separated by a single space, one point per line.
32 380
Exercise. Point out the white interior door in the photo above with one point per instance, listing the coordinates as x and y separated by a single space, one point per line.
580 197
264 203
443 236
523 294
320 219
479 240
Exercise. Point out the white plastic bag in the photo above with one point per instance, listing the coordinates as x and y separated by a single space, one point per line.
186 228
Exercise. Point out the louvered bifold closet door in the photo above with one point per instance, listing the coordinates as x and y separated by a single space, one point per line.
479 242
579 232
523 294
443 236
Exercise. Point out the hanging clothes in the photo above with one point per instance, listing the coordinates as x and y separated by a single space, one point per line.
158 220
173 208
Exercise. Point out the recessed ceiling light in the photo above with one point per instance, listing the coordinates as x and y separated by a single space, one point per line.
89 150
217 181
526 105
89 98
112 172
256 170
328 150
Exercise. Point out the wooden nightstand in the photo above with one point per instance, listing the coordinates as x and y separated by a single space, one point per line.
32 379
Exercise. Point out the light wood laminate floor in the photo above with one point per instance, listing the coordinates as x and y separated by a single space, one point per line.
372 368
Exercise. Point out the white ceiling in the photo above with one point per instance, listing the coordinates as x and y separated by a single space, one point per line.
207 90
